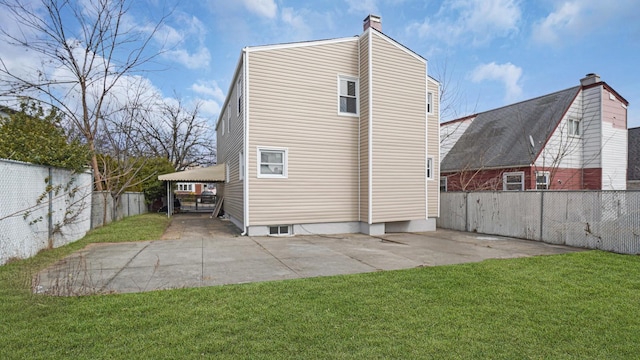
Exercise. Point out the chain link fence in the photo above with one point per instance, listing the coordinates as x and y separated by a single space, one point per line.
605 220
42 207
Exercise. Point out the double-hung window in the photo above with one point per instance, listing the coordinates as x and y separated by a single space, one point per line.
513 181
573 127
430 103
429 168
443 184
542 180
272 163
348 95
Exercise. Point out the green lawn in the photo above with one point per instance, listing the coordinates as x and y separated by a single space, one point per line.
580 305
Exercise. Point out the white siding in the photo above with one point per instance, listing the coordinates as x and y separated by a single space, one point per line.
563 150
450 133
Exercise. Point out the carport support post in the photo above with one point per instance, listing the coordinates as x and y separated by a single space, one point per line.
168 199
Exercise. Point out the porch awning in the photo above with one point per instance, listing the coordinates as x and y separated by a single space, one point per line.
214 173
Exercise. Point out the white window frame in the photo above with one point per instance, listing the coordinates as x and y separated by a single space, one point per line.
445 183
222 126
430 168
239 95
357 96
278 230
226 173
430 102
285 160
547 182
506 184
574 127
241 166
228 118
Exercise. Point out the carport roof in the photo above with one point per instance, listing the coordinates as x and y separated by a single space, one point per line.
214 173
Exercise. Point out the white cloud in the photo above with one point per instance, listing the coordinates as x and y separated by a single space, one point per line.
297 21
578 18
363 7
198 60
210 89
507 73
474 21
264 8
209 108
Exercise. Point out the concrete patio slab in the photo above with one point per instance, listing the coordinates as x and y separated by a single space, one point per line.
198 251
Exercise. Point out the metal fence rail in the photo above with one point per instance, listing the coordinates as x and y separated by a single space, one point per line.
605 220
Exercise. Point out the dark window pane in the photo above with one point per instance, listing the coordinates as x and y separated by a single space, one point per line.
351 105
351 88
273 230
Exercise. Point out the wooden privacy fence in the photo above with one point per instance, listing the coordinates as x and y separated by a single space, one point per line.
605 220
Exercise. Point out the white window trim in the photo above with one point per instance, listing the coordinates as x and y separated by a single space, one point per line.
429 102
430 167
513 173
239 95
569 127
357 81
279 227
446 183
547 174
222 126
228 118
240 166
226 168
285 160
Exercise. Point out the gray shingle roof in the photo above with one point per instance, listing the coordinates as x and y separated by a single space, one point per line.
500 138
633 164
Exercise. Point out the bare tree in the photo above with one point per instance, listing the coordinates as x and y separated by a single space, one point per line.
180 134
86 49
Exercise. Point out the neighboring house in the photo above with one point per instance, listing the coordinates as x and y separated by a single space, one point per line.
186 188
331 136
633 162
571 139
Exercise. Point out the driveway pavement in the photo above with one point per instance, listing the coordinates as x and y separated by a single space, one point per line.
199 251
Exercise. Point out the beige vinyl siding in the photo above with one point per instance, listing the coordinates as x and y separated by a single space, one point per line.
433 149
364 128
293 104
399 115
229 146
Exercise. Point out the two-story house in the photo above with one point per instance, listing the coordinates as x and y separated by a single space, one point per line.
331 136
568 140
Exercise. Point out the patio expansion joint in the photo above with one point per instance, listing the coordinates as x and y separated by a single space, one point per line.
275 257
108 282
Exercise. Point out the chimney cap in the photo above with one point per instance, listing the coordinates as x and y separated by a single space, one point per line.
372 21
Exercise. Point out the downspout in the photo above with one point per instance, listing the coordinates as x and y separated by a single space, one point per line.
245 117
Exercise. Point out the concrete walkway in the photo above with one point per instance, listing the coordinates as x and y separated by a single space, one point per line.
199 251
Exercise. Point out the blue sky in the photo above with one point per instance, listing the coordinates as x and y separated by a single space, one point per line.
495 52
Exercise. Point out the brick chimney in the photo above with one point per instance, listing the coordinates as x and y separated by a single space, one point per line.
373 21
589 79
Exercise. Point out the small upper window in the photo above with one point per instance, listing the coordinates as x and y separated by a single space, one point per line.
443 184
239 92
348 100
542 180
573 126
228 118
430 103
430 168
272 163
